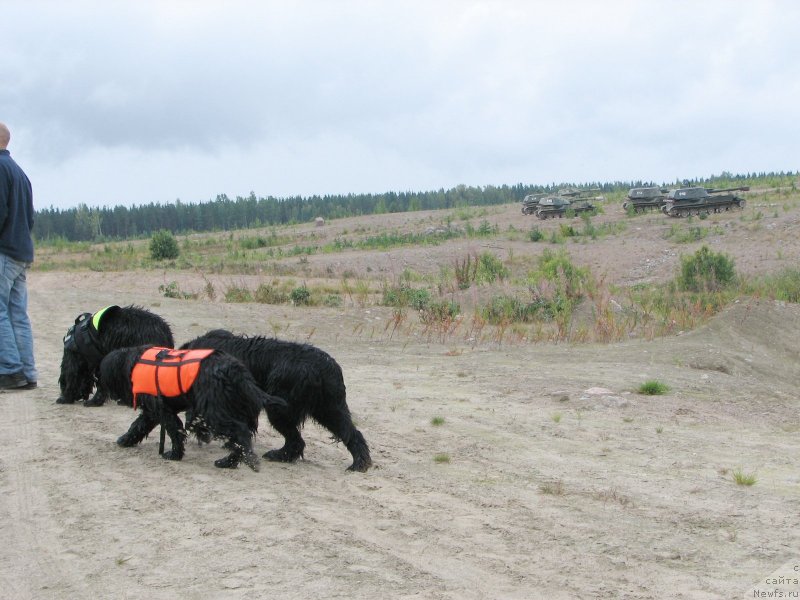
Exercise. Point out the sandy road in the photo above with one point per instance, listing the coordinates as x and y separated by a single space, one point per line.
552 489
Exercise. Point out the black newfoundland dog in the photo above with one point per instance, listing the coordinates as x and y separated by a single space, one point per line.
216 390
308 379
95 335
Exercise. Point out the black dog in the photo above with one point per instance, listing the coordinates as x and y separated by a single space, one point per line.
308 379
94 336
215 388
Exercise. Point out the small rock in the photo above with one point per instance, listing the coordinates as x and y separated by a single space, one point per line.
598 391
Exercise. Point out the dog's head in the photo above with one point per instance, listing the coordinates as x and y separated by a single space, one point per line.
76 379
115 372
83 351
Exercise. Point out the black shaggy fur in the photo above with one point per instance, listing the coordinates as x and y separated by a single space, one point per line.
122 328
308 378
224 400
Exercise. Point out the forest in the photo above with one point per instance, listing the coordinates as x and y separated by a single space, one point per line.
84 223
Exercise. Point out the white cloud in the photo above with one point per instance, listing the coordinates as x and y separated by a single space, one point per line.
121 102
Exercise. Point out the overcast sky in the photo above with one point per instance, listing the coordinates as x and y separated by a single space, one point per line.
130 102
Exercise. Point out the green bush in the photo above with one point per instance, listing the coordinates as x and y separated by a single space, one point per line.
653 388
567 230
269 294
172 290
439 312
486 228
556 268
253 243
706 271
163 246
332 300
301 296
419 298
783 285
535 235
490 269
238 293
505 309
404 295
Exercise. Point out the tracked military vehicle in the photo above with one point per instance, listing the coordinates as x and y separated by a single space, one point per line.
645 199
576 193
551 205
699 200
557 206
530 202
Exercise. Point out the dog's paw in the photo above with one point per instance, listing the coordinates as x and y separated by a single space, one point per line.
94 402
172 455
229 462
62 400
126 441
281 455
361 465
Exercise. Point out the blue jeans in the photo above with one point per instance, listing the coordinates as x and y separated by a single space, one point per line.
16 335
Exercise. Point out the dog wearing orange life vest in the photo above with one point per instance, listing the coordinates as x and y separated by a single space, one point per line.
214 388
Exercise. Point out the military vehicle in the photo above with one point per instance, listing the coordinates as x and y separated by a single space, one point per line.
644 199
699 200
583 194
530 202
557 206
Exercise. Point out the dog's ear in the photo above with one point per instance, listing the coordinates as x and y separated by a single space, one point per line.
97 318
82 317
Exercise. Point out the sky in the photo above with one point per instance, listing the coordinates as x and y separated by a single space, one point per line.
120 102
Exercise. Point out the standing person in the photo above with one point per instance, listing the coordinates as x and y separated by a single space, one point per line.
17 367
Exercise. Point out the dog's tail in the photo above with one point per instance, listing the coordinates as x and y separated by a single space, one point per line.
268 400
264 400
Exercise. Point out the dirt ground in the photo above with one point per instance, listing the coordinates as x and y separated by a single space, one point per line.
547 477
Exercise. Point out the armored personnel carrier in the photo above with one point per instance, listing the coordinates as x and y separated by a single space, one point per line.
551 207
645 199
699 200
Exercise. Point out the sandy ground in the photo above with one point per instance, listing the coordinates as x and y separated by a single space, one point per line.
562 481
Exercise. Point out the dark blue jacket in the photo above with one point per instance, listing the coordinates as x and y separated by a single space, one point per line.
16 210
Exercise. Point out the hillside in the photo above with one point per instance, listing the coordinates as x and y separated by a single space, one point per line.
504 468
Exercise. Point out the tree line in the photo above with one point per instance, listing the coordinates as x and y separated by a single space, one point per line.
83 223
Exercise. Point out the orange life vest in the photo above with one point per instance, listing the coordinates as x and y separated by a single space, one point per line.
166 372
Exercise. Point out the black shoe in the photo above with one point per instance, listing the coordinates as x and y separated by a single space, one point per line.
14 381
31 385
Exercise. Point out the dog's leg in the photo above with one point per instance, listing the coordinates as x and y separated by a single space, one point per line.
337 420
241 445
293 445
100 395
176 433
138 430
198 427
360 451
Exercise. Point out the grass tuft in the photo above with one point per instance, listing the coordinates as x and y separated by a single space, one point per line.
742 478
552 488
653 388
